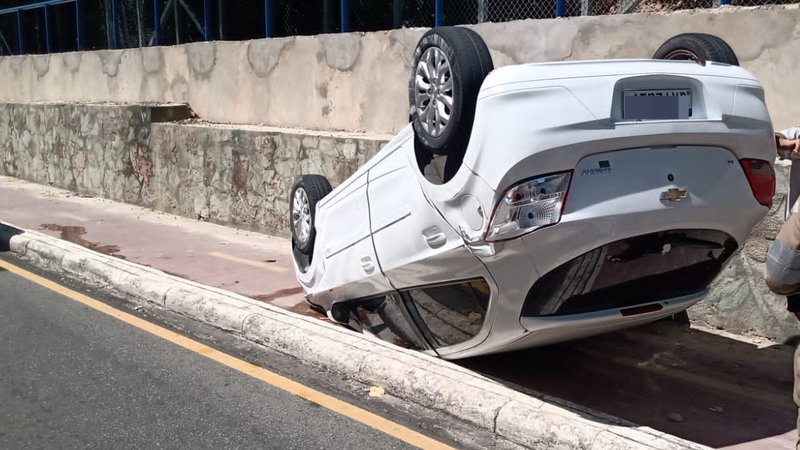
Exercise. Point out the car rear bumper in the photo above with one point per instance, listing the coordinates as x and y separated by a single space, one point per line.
612 211
539 331
627 273
548 330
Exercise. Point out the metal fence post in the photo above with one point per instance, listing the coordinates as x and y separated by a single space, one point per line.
397 14
208 33
326 16
345 16
47 41
268 18
156 22
220 20
438 13
78 27
114 31
561 8
176 21
20 37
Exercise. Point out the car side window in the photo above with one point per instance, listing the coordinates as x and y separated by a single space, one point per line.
437 169
387 318
434 171
453 313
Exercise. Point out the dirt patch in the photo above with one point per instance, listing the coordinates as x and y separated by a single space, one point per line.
305 310
175 274
75 234
278 294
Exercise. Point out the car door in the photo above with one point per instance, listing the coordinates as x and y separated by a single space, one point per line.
423 257
415 245
351 266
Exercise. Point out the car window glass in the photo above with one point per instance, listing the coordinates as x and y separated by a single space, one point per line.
437 169
387 318
434 171
453 313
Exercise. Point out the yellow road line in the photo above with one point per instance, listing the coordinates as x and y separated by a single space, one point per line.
250 262
353 412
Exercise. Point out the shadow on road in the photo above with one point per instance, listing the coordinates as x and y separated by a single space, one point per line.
698 386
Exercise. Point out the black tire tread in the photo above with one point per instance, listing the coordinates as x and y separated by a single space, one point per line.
482 50
316 187
706 46
454 159
471 66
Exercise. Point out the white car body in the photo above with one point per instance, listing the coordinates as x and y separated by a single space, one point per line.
388 228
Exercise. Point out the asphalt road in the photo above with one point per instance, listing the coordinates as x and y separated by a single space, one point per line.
71 377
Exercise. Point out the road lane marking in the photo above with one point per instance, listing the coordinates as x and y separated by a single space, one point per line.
343 408
250 262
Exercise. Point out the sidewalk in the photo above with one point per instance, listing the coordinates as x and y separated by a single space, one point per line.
245 262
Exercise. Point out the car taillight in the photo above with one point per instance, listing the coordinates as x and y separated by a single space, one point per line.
529 205
761 177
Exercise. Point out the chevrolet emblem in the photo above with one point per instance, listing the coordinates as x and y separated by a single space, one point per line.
673 195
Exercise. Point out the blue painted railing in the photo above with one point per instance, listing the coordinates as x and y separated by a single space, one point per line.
163 10
45 5
268 19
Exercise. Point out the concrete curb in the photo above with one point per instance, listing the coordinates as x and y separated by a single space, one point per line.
412 376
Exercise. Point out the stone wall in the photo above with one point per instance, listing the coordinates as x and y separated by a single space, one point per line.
244 177
740 302
218 173
358 82
90 149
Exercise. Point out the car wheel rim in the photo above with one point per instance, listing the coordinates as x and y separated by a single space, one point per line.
433 97
301 216
682 55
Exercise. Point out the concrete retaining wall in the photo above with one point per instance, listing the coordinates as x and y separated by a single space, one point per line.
228 175
357 82
243 177
740 302
95 150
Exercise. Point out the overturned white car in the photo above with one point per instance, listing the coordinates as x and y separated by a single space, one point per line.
539 203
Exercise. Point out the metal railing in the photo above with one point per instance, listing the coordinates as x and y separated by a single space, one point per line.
66 25
45 7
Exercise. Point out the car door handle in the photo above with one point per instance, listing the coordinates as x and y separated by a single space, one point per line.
367 265
434 237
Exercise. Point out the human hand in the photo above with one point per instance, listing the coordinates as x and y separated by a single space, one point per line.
788 148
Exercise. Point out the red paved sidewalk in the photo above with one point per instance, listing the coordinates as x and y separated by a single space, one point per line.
245 262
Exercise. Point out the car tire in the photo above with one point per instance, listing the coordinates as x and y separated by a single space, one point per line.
698 47
306 192
443 108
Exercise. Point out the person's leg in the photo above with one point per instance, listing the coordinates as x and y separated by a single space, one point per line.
797 390
782 273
